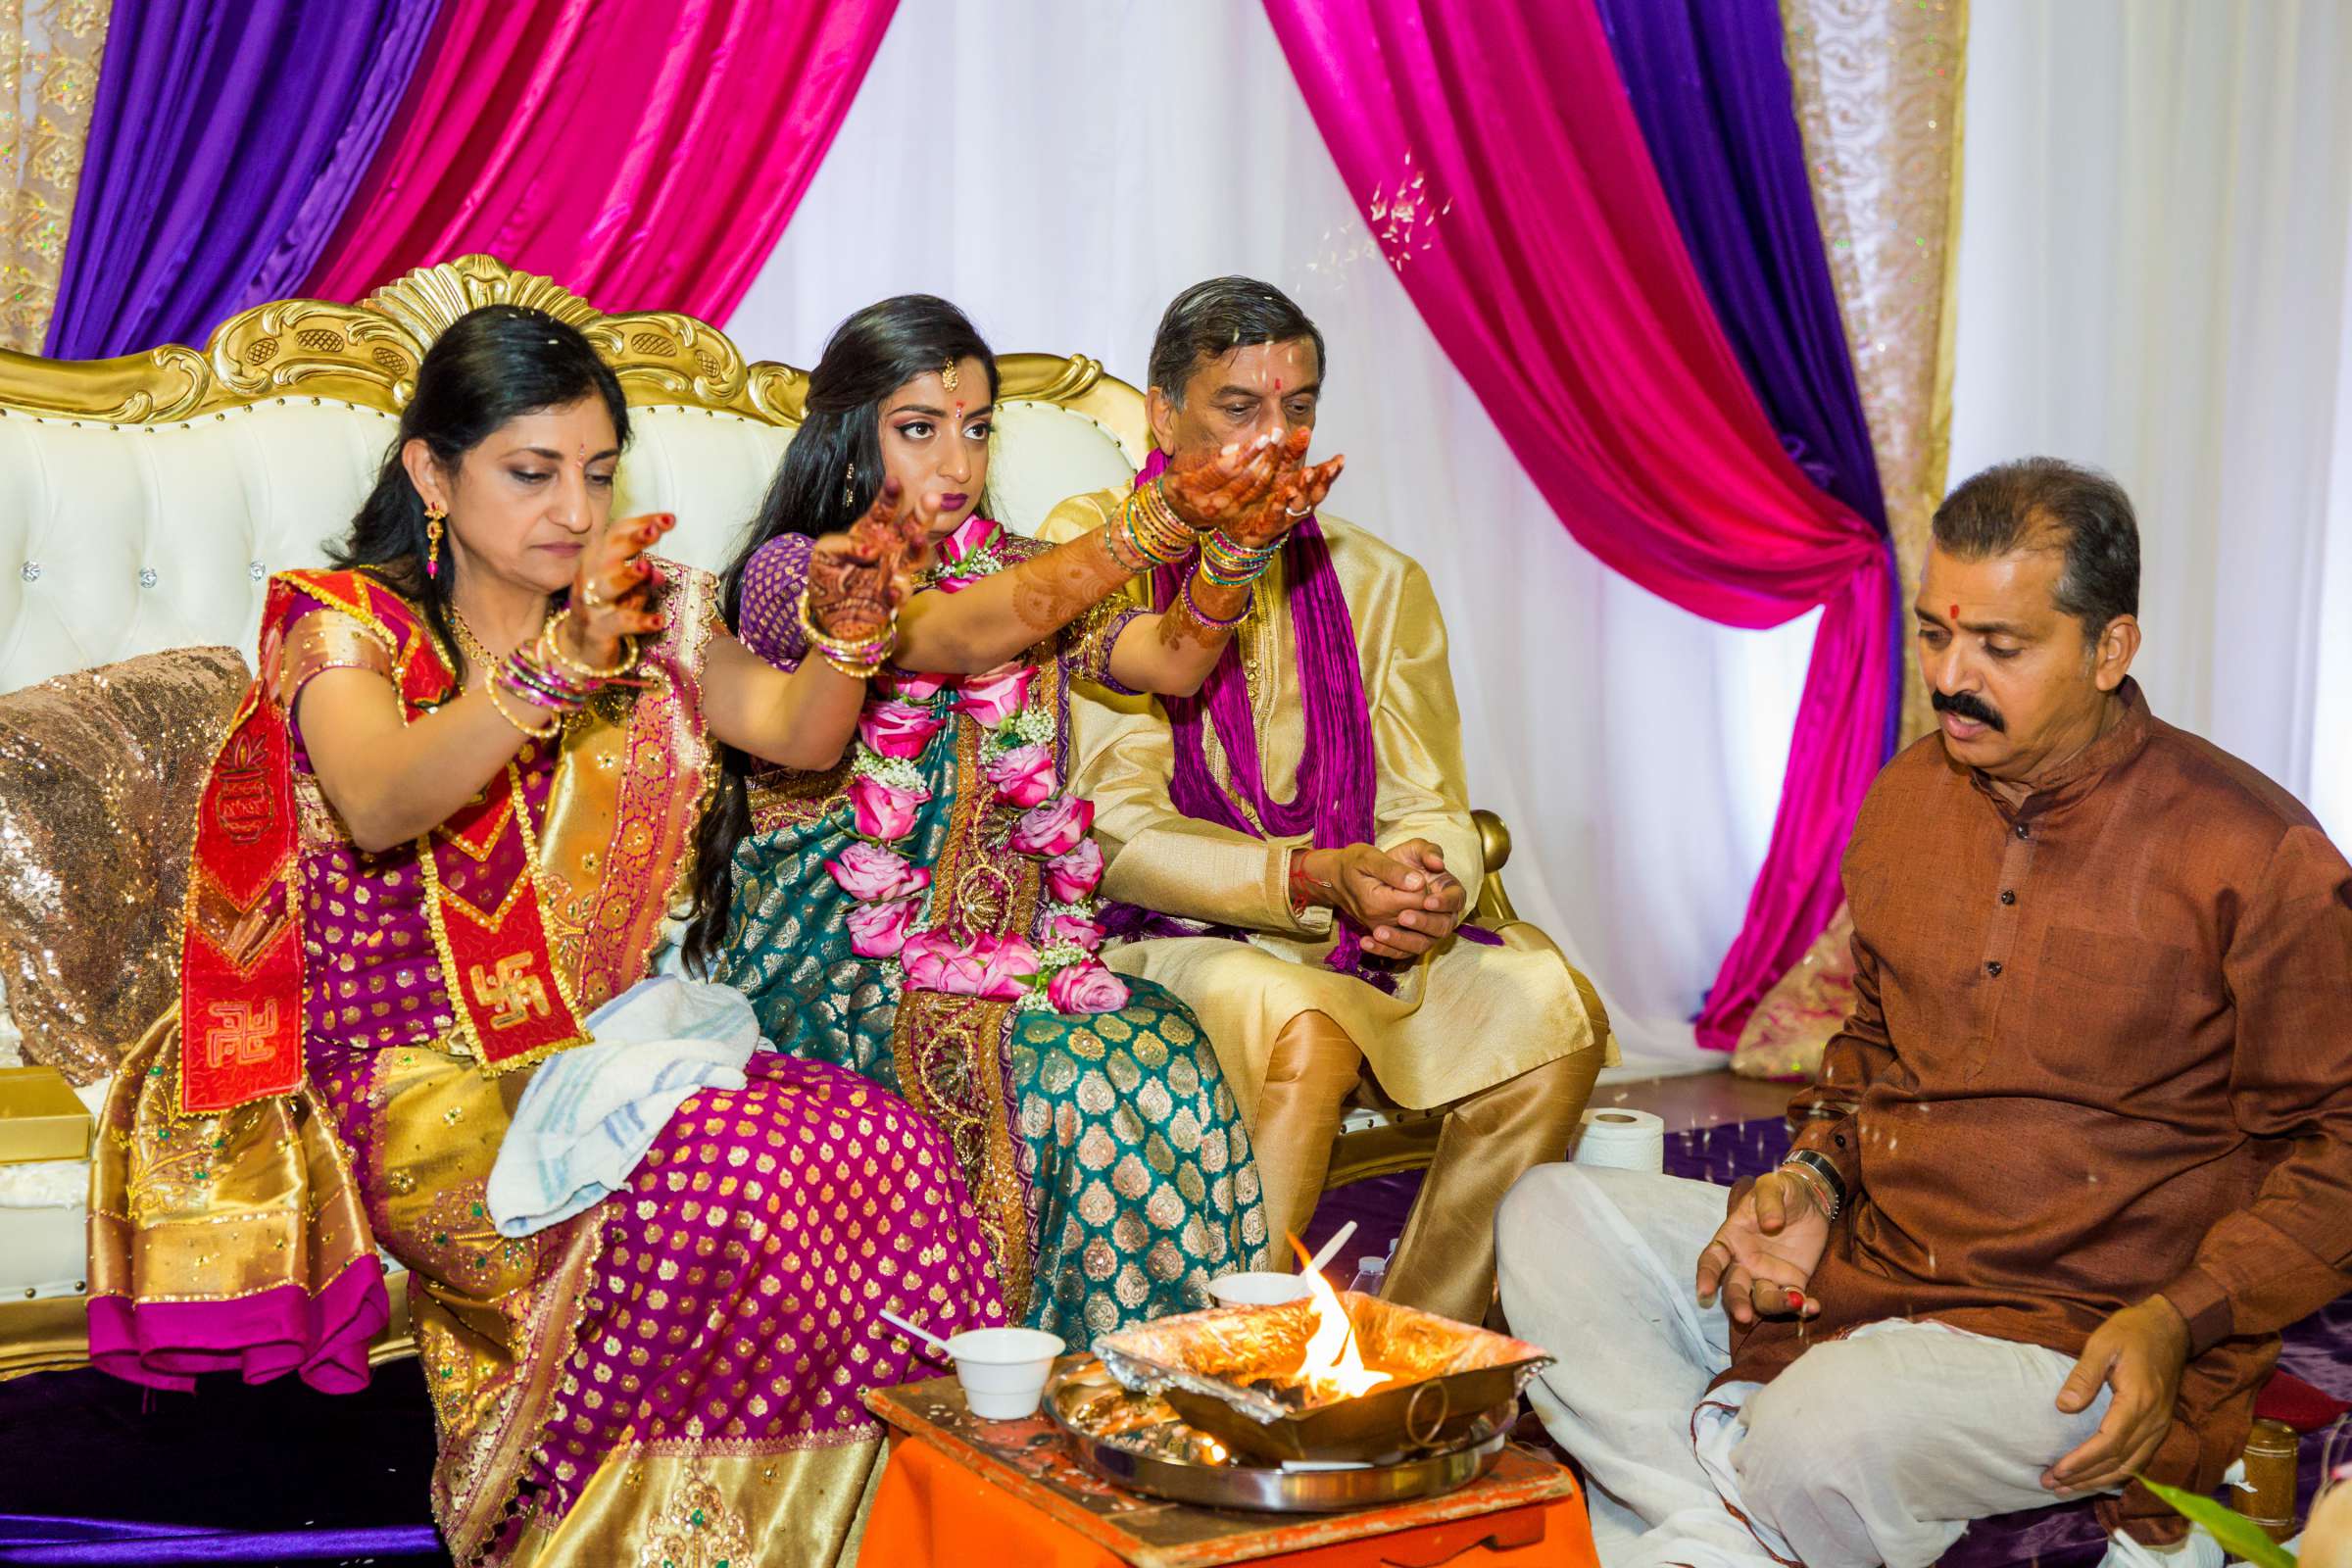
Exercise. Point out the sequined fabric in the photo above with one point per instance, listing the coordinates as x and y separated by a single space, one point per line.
49 54
100 772
1135 1180
1784 1038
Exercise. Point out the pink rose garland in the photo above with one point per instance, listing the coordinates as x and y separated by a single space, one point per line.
1024 776
883 810
886 795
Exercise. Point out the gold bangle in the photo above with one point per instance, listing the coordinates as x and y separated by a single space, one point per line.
869 650
1113 532
552 647
1156 536
1174 530
854 671
553 722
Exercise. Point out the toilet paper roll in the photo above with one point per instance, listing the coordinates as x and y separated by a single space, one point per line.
1621 1139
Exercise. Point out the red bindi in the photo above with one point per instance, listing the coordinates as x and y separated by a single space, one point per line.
1955 612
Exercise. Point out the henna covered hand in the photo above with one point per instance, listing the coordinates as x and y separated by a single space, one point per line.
1298 491
1214 489
857 580
612 589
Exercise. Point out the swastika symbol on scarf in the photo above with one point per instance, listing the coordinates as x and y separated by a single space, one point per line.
511 991
238 1033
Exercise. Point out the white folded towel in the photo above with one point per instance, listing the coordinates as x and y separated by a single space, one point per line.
591 1113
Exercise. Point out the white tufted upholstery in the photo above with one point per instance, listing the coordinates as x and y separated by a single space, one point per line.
118 540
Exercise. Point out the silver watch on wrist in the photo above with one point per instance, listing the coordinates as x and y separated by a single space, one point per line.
1818 1173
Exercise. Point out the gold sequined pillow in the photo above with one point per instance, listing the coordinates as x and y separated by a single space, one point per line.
1790 1028
100 772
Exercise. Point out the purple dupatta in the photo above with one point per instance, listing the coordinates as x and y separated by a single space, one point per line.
1334 795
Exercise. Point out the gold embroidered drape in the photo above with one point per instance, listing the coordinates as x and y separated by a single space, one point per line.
1879 93
49 54
1879 97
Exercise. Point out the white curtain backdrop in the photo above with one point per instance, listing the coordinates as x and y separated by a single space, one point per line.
1060 168
2153 276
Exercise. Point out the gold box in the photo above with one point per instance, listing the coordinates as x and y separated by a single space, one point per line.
39 1117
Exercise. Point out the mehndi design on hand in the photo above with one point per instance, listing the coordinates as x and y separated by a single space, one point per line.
855 582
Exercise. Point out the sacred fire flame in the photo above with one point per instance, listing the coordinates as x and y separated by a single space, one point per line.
1331 1365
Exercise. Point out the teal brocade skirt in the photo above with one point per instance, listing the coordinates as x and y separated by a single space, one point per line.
1121 1160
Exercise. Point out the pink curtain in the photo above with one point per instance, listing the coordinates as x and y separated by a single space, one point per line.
1559 285
643 153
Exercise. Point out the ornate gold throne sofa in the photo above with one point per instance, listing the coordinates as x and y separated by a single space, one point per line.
145 500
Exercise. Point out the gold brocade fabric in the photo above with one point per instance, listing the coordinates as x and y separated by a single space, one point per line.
100 772
217 1208
49 54
652 1510
1466 1017
1879 90
1784 1038
1879 94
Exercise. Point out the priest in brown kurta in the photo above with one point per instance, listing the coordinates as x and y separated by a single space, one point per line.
2082 1149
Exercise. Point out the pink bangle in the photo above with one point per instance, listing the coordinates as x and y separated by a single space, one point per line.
1193 608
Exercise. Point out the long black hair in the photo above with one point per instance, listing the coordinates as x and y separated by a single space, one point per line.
830 474
493 365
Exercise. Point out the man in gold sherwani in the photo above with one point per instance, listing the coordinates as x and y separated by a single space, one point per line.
1293 849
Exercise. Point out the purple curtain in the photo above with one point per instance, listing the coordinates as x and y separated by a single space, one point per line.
1709 84
224 145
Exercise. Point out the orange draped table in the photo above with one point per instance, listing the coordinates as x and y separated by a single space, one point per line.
960 1491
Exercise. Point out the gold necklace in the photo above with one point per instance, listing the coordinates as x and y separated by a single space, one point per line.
473 645
470 642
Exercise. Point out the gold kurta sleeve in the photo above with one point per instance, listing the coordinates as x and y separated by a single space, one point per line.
1156 856
1464 1017
1417 736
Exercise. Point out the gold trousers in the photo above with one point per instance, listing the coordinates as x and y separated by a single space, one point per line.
1445 1263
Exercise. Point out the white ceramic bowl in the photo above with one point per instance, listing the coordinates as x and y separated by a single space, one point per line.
1260 1288
1003 1370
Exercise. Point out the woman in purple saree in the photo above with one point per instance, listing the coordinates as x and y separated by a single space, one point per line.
443 831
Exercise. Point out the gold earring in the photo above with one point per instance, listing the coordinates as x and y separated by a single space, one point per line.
432 540
849 489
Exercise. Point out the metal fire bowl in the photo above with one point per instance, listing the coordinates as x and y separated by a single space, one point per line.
1212 1367
1161 1471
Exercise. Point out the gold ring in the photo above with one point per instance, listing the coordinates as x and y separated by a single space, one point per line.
590 598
